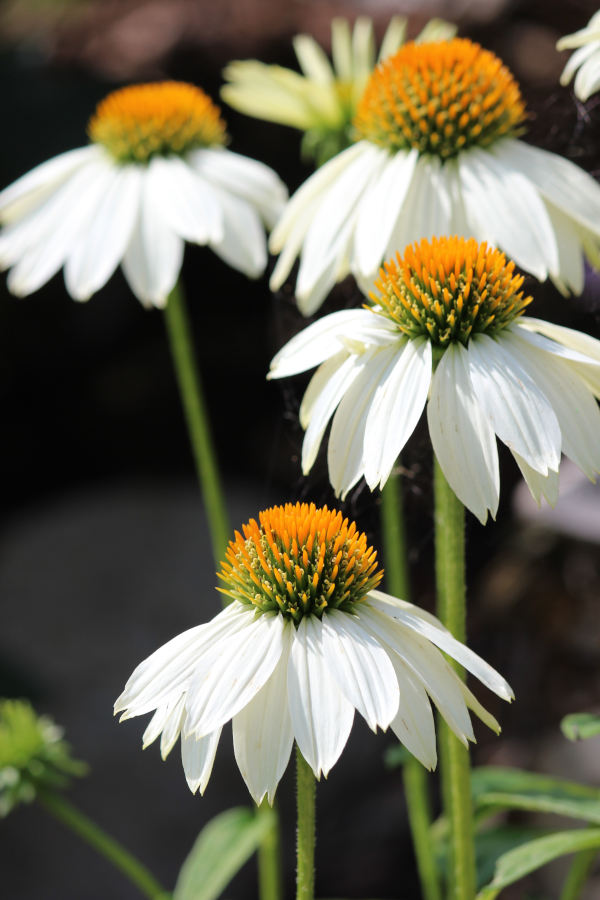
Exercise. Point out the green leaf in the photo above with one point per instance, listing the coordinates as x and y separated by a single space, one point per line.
579 726
528 857
496 788
220 851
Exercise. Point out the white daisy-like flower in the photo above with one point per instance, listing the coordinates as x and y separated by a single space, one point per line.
306 641
586 59
321 101
437 152
446 331
155 175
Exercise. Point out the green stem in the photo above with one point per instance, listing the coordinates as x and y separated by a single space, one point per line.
269 857
305 838
192 399
416 786
454 757
578 874
104 844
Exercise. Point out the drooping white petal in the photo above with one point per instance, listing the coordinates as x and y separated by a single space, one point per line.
32 189
480 711
504 207
321 715
325 405
389 605
172 727
587 80
169 668
539 485
243 245
462 438
168 717
186 201
345 450
262 731
327 337
518 411
154 255
413 723
396 409
100 246
361 667
576 60
247 178
563 337
198 757
229 674
317 384
570 252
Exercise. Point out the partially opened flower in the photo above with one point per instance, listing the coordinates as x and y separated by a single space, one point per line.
306 640
322 100
445 330
156 174
586 59
437 152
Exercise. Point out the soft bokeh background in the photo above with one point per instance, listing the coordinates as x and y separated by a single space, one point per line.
104 551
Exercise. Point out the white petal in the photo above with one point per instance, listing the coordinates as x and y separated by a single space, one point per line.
345 456
578 341
390 605
321 716
317 384
262 732
341 49
33 188
571 267
382 204
361 668
153 258
172 727
363 47
313 59
187 202
414 724
396 409
394 37
462 438
327 336
427 208
168 717
243 245
248 179
198 757
324 407
518 411
576 60
100 247
539 485
231 673
587 79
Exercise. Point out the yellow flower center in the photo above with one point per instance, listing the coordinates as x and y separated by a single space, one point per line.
448 289
146 120
440 98
299 560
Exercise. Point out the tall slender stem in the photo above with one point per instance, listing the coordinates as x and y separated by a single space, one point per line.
305 837
269 857
454 757
104 844
416 793
578 874
194 407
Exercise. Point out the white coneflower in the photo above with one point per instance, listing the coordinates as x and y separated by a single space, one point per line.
446 330
306 641
438 152
586 59
322 100
155 175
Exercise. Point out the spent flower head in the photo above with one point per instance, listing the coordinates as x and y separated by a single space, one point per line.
33 755
438 151
306 641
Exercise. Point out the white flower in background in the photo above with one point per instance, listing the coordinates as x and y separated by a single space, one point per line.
586 59
156 174
438 153
306 640
322 100
446 330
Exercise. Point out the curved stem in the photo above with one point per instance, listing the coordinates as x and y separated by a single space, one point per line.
578 874
305 838
454 757
269 857
416 793
104 844
192 399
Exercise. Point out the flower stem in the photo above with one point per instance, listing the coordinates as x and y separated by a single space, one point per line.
190 388
269 857
104 844
454 757
578 874
305 838
414 776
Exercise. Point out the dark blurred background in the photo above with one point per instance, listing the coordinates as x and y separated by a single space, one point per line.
105 553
